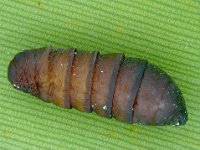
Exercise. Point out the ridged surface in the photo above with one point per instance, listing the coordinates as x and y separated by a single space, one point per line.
166 33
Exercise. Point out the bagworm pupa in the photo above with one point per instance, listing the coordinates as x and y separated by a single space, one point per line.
128 89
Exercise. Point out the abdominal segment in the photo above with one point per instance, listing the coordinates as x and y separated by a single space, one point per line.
81 80
111 85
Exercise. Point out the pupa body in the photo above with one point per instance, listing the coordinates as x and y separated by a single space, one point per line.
128 89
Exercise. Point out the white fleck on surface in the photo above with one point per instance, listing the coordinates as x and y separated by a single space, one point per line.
177 124
16 86
94 105
161 105
105 107
101 71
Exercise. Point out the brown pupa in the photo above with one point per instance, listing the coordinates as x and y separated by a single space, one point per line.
128 89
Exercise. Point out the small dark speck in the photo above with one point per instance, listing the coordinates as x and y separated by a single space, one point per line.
39 3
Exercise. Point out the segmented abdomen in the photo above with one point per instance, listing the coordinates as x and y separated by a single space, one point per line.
128 89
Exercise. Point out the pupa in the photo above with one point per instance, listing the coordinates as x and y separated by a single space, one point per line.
129 89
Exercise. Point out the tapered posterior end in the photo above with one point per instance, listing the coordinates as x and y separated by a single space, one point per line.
159 100
174 106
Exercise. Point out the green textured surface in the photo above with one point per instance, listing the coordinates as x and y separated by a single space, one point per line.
165 32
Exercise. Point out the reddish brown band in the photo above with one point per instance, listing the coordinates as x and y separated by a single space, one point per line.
127 84
81 80
104 79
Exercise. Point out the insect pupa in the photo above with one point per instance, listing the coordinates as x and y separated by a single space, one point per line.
128 89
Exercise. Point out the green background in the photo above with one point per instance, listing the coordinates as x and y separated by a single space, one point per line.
165 32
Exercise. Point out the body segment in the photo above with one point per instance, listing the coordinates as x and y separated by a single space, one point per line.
104 81
81 80
127 85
